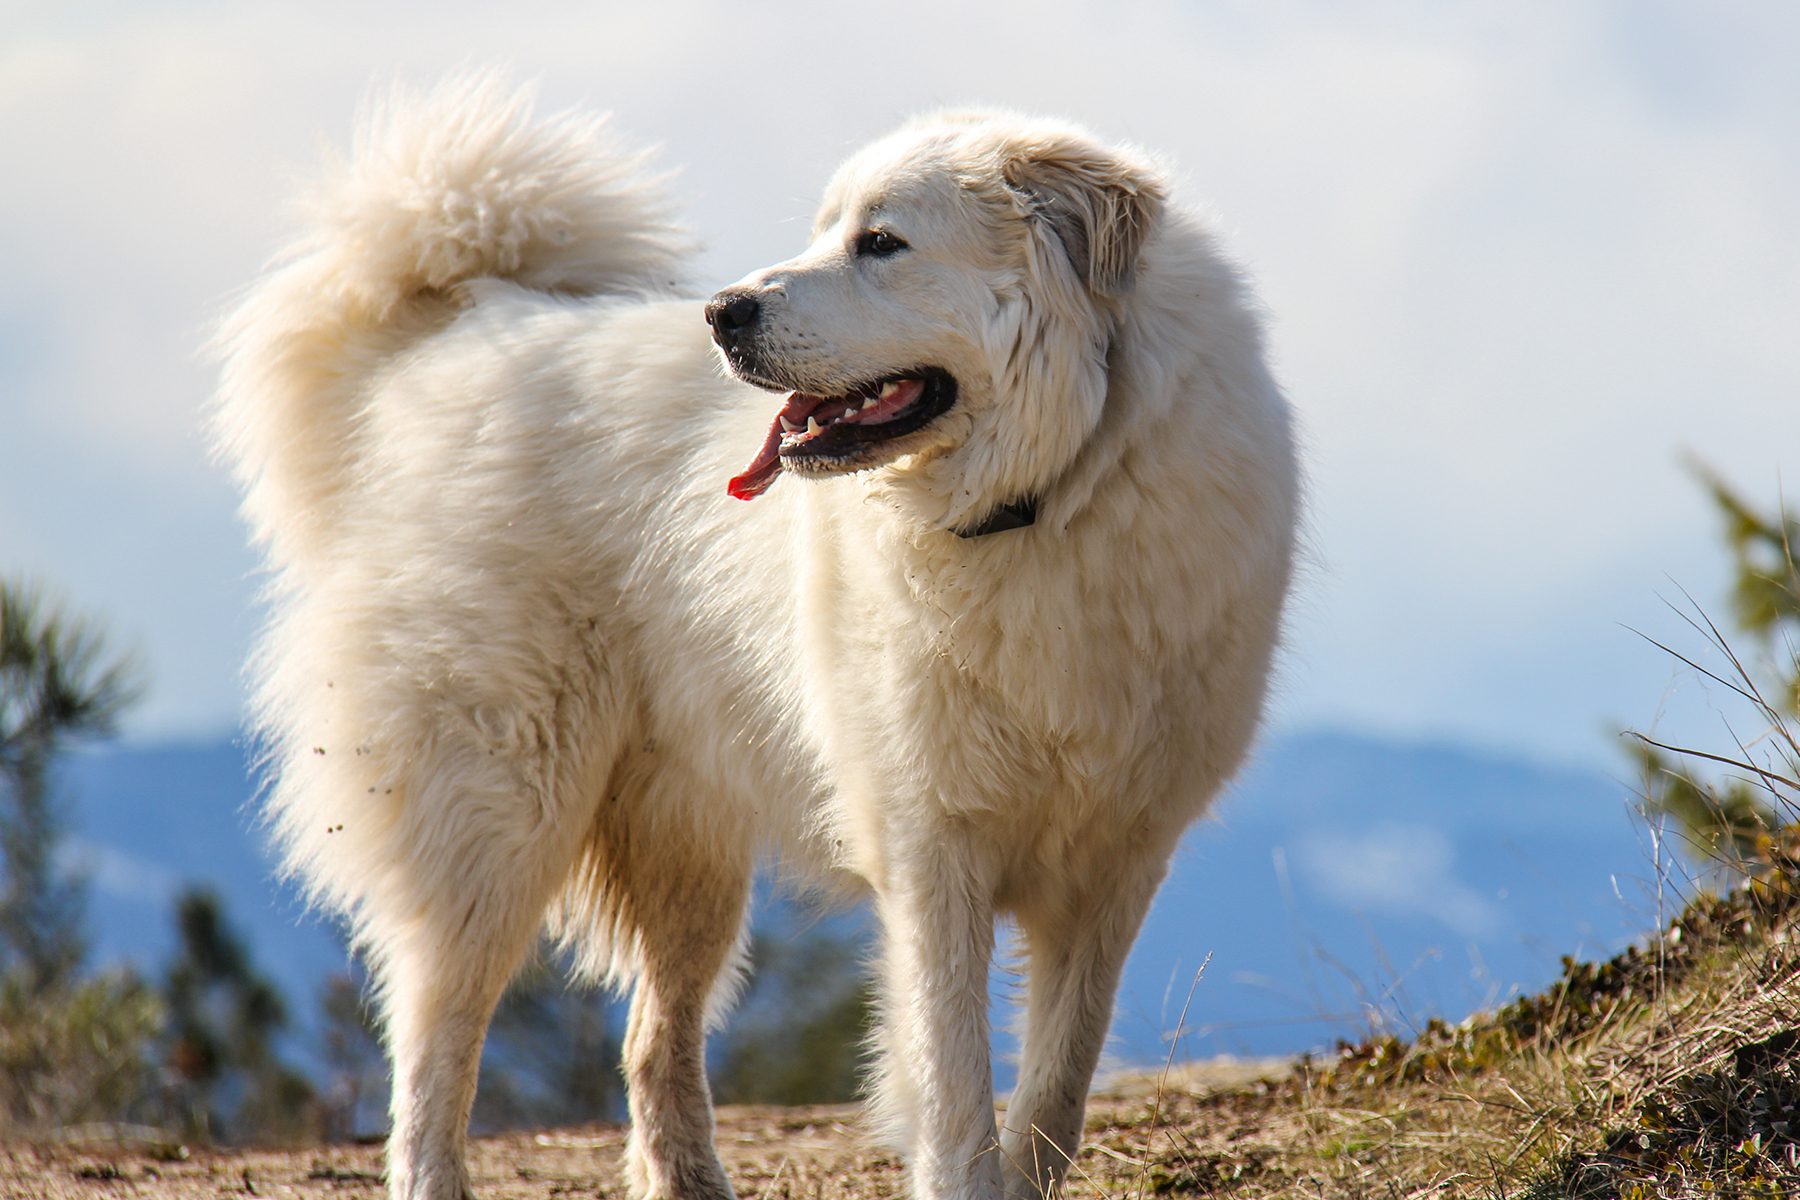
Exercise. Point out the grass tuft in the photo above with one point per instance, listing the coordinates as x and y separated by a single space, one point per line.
1671 1069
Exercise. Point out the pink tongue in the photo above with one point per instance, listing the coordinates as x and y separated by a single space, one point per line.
763 469
756 478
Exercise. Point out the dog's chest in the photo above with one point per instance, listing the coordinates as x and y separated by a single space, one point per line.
987 679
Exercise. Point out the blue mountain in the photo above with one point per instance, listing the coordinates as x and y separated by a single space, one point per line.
1344 884
148 821
1348 885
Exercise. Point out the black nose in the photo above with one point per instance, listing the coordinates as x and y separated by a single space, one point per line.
730 314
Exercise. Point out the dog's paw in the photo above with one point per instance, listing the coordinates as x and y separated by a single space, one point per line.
432 1185
697 1178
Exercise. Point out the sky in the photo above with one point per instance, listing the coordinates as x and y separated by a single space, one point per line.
1518 261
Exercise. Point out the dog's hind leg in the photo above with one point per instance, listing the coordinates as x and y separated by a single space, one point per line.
1076 943
440 979
484 842
440 987
689 942
668 880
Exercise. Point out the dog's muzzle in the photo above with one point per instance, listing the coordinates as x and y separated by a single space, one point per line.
733 317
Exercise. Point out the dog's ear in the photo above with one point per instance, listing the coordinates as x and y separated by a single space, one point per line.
1099 203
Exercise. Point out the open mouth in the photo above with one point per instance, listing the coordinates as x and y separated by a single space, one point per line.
826 434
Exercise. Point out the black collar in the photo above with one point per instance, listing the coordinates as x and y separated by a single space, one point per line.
1015 514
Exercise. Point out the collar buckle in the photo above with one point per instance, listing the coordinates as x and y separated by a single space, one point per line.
1015 514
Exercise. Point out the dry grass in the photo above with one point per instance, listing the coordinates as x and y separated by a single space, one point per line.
1668 1071
1672 1070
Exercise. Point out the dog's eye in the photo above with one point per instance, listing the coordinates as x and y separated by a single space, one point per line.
878 243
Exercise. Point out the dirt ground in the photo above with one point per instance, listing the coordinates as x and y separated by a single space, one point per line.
1670 1070
771 1153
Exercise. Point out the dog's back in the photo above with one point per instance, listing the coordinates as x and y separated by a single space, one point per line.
441 188
442 191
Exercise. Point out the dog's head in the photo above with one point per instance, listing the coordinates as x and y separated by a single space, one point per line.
953 315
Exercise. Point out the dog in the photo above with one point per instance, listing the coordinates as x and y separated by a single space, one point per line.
556 643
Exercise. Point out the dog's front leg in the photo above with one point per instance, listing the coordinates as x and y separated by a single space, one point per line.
1076 942
935 1082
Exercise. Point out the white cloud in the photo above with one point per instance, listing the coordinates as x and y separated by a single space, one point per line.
1516 261
1396 870
115 873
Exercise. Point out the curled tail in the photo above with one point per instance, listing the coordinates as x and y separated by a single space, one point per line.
443 186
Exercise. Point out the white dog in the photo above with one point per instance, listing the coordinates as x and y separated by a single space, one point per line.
531 666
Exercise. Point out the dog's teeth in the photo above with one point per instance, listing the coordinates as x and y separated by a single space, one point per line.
871 402
788 426
812 424
888 389
847 412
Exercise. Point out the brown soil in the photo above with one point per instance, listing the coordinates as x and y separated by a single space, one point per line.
1669 1071
803 1152
772 1154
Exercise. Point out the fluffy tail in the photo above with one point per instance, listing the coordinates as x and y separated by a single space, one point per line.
441 187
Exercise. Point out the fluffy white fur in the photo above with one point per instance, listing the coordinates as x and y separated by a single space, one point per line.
528 664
